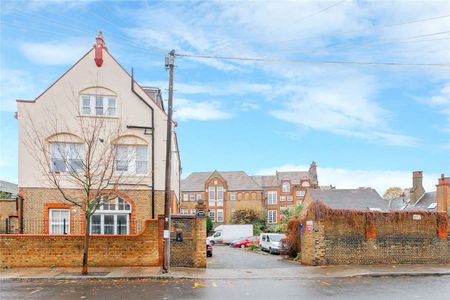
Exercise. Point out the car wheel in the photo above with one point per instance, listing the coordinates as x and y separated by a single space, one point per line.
242 246
212 243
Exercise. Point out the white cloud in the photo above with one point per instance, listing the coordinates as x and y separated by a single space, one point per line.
335 99
441 103
54 53
249 105
349 178
185 110
15 84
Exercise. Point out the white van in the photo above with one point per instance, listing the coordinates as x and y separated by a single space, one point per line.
270 242
228 233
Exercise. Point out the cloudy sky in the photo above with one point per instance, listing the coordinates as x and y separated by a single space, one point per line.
312 96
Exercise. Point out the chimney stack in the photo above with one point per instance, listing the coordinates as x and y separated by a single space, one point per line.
313 174
443 194
417 190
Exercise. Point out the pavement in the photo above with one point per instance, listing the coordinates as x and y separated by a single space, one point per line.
229 263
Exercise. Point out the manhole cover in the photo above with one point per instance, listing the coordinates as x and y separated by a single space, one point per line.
79 274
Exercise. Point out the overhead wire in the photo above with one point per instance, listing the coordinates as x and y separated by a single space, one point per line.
292 61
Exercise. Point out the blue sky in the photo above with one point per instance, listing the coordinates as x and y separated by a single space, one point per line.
365 125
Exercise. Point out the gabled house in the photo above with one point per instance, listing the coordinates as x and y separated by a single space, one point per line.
96 87
224 192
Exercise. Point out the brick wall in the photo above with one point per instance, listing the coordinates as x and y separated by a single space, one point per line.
350 237
7 208
191 251
67 250
144 249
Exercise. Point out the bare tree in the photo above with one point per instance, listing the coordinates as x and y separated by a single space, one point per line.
83 161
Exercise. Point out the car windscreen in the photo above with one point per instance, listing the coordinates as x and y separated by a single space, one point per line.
276 238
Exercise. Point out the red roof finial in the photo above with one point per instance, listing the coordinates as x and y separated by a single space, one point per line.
99 45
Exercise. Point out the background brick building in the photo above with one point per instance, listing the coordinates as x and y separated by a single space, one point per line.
224 192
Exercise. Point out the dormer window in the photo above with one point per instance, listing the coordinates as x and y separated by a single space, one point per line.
286 187
305 183
98 105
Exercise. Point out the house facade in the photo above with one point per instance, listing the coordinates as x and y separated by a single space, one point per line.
224 192
95 90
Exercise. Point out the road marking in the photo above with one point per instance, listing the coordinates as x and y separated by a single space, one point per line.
36 291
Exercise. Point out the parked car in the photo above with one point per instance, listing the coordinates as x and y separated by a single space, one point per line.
270 242
233 243
209 249
246 242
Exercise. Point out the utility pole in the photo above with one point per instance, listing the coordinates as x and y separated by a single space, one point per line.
169 64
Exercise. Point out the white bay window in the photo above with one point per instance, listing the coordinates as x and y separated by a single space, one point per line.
112 218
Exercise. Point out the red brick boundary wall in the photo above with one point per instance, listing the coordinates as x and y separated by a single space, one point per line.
339 237
37 250
144 249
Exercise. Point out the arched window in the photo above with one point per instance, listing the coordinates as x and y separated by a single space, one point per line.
112 217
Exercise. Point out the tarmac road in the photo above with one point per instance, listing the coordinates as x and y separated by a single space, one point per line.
336 288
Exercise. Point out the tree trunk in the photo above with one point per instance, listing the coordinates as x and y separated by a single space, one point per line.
84 270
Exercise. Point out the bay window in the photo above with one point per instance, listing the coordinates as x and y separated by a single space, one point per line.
112 218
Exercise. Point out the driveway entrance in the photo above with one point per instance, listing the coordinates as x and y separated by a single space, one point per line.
225 257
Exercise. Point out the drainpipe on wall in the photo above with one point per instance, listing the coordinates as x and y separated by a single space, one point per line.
19 205
153 142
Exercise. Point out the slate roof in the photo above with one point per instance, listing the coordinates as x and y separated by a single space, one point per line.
266 181
359 199
404 203
8 187
236 181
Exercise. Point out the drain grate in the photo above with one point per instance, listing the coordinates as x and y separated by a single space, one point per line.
79 274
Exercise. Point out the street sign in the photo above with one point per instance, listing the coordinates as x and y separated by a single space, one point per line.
201 213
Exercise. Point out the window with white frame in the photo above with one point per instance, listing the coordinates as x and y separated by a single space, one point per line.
183 211
212 215
185 197
220 215
211 194
272 198
98 105
271 216
286 187
290 198
300 194
66 157
131 160
233 196
219 193
282 198
220 196
59 221
192 197
112 217
193 211
199 197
